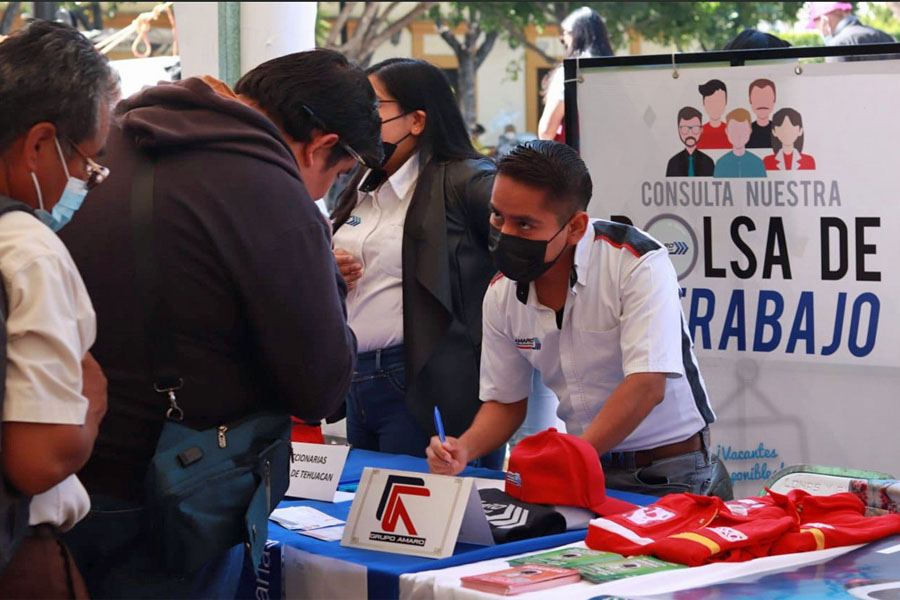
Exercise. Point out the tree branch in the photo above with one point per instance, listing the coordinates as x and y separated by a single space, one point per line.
473 32
448 36
339 24
485 48
388 10
547 9
400 23
517 34
355 48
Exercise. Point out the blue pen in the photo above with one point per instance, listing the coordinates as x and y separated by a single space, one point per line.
439 424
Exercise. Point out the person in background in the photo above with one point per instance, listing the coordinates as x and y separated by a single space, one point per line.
255 300
594 306
478 131
56 93
753 38
840 27
412 240
584 35
507 141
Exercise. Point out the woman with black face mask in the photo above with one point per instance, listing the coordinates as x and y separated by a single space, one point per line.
411 239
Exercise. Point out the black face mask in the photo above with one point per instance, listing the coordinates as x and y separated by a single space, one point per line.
377 176
521 259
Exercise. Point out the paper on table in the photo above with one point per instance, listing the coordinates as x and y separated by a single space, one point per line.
328 534
303 517
340 496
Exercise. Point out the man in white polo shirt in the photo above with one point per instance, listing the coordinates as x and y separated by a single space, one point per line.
55 96
594 306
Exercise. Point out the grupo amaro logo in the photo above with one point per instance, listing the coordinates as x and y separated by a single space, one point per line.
531 343
679 238
391 510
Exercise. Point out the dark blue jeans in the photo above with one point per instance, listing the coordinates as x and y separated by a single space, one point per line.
113 554
699 472
377 416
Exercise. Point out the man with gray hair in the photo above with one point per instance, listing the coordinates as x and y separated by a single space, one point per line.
56 91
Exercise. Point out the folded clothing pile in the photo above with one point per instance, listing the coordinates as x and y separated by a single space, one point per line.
695 530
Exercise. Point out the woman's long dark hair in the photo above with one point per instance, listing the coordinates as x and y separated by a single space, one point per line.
589 35
589 39
418 85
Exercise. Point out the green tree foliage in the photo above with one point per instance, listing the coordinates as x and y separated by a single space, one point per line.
708 24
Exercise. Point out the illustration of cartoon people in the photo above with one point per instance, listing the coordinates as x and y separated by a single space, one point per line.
739 162
762 100
715 97
787 136
690 162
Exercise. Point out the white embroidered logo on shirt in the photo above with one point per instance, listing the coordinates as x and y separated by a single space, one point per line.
818 526
744 506
728 534
649 515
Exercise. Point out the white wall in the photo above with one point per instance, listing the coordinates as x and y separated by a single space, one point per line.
273 29
198 37
268 30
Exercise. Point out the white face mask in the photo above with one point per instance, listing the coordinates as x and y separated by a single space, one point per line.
69 202
510 136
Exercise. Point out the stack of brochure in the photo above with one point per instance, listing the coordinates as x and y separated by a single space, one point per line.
520 579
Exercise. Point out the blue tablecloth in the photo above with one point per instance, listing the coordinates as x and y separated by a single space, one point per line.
384 569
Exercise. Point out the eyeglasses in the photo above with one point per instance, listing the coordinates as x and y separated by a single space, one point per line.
344 146
97 173
689 128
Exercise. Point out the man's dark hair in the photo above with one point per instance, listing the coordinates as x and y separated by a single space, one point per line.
711 87
753 38
554 168
49 72
687 113
323 81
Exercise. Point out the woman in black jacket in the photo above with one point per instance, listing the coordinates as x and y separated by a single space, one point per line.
411 239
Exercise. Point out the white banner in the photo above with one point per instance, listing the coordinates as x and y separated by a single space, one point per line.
789 272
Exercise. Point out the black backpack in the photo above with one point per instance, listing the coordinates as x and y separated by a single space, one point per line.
13 504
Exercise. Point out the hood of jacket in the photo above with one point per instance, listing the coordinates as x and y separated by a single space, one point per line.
191 114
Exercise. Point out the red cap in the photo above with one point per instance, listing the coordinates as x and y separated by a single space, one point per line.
558 468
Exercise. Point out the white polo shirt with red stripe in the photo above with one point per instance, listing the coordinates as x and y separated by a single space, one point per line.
622 316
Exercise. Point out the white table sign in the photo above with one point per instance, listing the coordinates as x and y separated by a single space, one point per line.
415 513
316 470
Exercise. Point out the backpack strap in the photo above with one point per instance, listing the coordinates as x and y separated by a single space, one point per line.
161 344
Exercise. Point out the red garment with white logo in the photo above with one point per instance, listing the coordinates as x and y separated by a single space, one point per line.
831 521
692 530
695 530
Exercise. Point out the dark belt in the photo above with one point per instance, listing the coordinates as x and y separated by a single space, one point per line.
372 360
643 458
